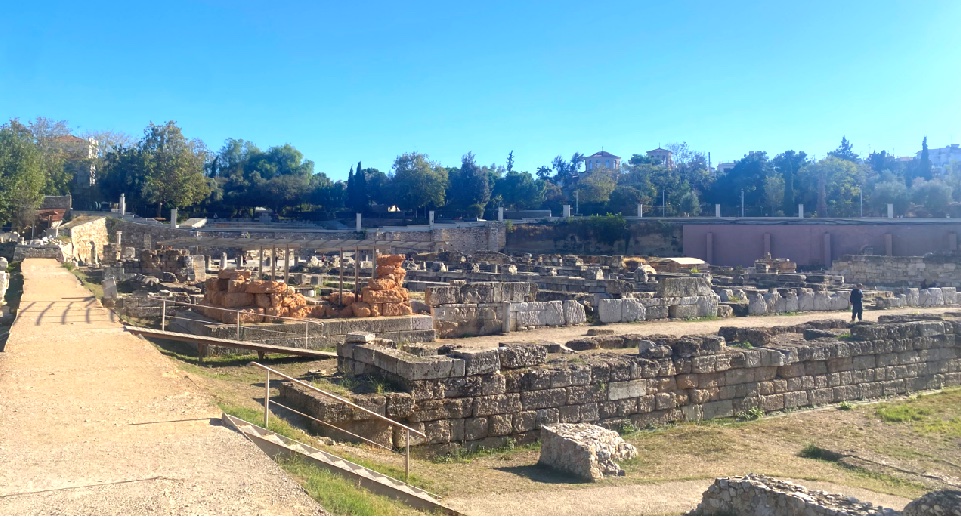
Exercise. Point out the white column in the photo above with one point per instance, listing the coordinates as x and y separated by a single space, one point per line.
357 218
640 210
500 214
430 218
717 211
567 210
123 204
800 210
890 210
173 218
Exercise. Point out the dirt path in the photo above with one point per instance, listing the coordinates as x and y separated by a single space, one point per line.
96 421
682 328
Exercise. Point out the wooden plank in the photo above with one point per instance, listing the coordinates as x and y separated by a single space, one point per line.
204 342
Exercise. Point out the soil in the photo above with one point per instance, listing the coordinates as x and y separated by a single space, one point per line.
97 421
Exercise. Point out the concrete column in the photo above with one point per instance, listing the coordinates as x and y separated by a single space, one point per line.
827 250
357 225
430 218
173 218
566 210
952 241
890 210
717 210
208 262
640 210
767 243
123 204
241 259
223 261
500 214
709 247
273 262
287 264
119 242
260 265
800 210
888 244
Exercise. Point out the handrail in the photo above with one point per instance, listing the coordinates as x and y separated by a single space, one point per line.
339 399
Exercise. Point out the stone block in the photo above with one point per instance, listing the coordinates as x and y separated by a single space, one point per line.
627 389
656 312
475 428
632 310
675 287
517 355
477 362
587 451
540 399
497 404
439 409
574 313
500 425
682 311
609 310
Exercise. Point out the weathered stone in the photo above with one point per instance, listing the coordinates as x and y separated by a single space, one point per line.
521 355
587 451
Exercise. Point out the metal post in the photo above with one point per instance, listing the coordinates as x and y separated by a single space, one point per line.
407 456
286 264
266 400
238 325
163 315
356 270
577 203
306 333
341 268
273 263
260 267
861 200
742 202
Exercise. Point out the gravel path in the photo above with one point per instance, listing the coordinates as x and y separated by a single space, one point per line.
96 421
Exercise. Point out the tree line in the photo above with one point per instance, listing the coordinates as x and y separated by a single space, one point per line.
164 169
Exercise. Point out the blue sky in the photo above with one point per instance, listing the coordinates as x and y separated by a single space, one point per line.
349 81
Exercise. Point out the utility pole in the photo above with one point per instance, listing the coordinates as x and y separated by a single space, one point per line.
577 202
663 202
742 203
861 200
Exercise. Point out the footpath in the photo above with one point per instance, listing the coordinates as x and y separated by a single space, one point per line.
96 421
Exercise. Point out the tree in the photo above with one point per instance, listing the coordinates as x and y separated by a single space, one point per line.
358 198
543 172
21 175
469 186
597 186
889 191
518 190
924 161
417 182
774 192
173 167
624 200
931 196
833 182
845 151
690 203
510 162
748 175
788 164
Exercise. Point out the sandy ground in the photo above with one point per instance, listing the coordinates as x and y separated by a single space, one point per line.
680 327
96 421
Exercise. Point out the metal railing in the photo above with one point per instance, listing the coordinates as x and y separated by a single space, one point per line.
307 322
392 423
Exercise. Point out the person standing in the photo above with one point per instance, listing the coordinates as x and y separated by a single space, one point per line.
857 308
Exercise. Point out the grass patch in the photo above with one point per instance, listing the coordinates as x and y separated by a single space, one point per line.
338 495
275 423
93 287
813 452
902 413
465 455
845 406
755 413
741 344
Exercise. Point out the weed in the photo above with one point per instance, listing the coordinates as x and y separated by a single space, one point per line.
626 427
742 344
338 495
813 452
466 455
69 266
755 413
902 413
845 406
846 336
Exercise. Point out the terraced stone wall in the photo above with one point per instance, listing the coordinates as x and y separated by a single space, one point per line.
483 397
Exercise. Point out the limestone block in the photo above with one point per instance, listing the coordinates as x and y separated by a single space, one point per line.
514 355
756 304
806 300
682 311
446 295
656 312
574 313
109 287
912 294
627 389
931 297
632 310
587 451
479 362
950 295
609 310
707 306
683 286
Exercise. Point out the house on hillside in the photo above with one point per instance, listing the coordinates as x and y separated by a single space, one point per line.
664 156
602 160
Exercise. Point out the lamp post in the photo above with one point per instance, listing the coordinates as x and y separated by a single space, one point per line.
742 202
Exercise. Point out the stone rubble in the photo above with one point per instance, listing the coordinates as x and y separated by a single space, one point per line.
586 451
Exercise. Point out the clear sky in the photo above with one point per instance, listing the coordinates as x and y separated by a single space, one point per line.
349 81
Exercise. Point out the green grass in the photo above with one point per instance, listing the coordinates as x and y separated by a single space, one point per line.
275 423
465 455
902 413
340 496
755 413
741 344
845 406
93 287
813 452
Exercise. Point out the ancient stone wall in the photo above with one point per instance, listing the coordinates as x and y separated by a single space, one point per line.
89 237
676 297
645 237
482 397
880 270
49 252
786 300
486 308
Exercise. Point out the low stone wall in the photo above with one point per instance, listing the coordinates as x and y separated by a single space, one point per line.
882 270
483 397
487 308
761 495
23 252
325 333
783 300
676 297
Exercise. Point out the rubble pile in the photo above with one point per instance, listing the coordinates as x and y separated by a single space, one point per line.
259 300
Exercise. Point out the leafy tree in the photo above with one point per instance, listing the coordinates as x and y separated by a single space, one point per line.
774 192
624 200
788 164
887 191
882 161
931 196
510 162
748 175
21 175
417 182
358 197
327 196
845 151
469 186
597 186
518 190
123 173
833 182
543 172
173 167
378 186
690 204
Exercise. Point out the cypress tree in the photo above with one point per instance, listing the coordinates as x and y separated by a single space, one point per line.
361 190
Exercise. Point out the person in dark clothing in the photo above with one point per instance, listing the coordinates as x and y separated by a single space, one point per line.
856 308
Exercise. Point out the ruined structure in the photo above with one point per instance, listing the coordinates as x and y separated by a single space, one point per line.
481 397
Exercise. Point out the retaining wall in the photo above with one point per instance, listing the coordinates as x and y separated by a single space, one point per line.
483 397
944 270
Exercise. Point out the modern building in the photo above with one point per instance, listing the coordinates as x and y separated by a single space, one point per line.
662 155
942 158
602 160
724 167
80 153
